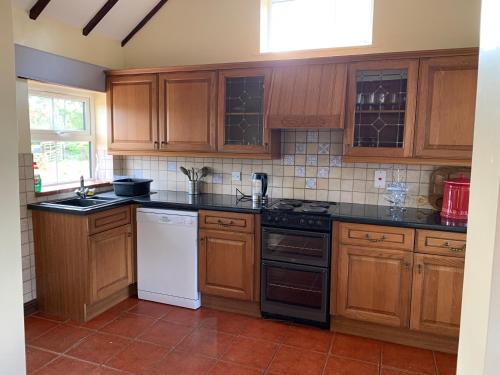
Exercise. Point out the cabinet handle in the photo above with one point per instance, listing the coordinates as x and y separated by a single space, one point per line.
419 268
406 265
129 234
454 249
266 145
202 239
156 144
381 239
163 143
220 222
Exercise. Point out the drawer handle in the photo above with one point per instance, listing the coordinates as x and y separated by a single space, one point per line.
454 249
419 268
220 222
381 239
129 234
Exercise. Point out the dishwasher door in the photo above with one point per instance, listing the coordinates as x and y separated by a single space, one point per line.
167 257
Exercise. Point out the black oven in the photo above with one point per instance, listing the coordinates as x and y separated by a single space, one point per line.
295 274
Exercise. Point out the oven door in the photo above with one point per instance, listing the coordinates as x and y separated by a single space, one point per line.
295 291
295 246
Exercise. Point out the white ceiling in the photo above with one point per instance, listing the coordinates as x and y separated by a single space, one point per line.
119 21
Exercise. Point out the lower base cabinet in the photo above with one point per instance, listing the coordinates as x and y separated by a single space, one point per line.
437 294
374 285
226 264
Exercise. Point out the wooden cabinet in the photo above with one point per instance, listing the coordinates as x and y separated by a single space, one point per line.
132 112
187 108
381 108
308 96
446 107
226 264
374 285
437 294
242 110
110 255
85 263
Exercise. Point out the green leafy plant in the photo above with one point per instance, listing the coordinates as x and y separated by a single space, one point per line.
195 174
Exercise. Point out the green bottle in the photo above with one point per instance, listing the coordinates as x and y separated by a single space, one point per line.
37 178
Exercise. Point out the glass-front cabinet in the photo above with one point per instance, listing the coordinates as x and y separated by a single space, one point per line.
381 108
243 99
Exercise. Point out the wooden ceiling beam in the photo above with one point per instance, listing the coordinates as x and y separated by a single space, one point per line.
144 21
38 8
98 16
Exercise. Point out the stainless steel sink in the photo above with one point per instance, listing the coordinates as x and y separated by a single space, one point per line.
82 203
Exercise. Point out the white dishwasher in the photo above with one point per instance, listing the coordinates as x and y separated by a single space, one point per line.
167 256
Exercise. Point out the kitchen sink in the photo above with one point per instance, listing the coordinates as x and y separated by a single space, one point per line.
82 203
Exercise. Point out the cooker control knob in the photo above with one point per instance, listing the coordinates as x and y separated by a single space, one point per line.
302 221
319 222
284 219
276 219
310 221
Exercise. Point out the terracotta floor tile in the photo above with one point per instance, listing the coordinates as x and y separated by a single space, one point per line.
36 358
99 347
128 325
99 321
296 361
67 366
61 338
54 318
251 352
407 358
152 309
391 371
35 327
226 322
192 318
207 342
265 330
183 363
165 333
344 366
125 305
227 368
138 358
309 338
102 370
446 363
356 348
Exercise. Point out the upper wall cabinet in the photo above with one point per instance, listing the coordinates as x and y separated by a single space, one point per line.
446 107
133 112
381 108
243 98
308 96
187 111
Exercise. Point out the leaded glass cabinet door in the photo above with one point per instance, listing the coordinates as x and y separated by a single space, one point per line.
243 99
381 112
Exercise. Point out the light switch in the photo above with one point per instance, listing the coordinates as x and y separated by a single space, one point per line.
379 180
236 176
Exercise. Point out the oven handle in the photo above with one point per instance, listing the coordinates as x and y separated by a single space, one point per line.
295 232
297 267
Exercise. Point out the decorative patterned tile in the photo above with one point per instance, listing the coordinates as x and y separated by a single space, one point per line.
300 171
300 148
312 160
217 178
335 161
323 148
312 136
323 172
310 183
289 160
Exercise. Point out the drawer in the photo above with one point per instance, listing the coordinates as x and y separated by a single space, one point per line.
109 219
231 221
441 243
377 236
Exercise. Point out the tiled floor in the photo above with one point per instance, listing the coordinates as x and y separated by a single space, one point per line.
139 337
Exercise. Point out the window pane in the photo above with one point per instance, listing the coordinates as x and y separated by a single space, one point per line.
40 112
69 115
61 162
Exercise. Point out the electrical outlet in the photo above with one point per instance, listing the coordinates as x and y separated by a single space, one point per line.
236 176
379 180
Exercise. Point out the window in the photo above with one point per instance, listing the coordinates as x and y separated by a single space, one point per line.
288 25
61 136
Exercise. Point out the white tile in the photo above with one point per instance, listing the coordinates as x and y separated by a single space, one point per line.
300 171
310 183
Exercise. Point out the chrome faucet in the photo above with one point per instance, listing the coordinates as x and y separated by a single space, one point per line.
82 191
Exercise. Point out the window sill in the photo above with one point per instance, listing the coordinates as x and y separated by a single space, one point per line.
66 188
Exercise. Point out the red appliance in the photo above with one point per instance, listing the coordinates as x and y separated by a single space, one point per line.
456 198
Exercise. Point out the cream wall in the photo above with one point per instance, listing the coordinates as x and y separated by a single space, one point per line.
479 349
52 36
12 357
199 31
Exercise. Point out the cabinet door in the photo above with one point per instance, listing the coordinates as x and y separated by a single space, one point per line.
437 294
187 109
374 285
243 98
110 260
226 264
308 96
446 107
133 112
381 108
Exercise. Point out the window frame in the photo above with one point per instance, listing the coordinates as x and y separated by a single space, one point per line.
88 135
265 32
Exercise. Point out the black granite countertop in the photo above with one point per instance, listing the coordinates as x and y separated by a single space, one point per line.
347 212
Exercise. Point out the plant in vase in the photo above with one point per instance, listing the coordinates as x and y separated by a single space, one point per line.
194 175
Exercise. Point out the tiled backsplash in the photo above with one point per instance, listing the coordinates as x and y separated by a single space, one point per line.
310 168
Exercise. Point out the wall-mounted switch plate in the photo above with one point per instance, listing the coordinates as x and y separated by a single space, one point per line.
236 176
379 180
